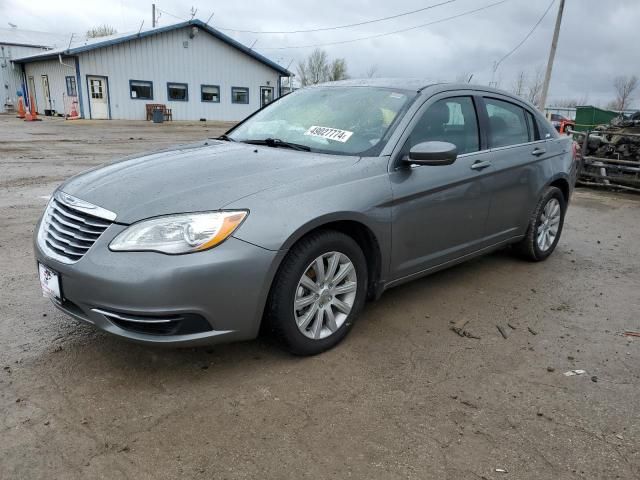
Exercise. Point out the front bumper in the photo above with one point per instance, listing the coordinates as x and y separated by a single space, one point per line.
209 297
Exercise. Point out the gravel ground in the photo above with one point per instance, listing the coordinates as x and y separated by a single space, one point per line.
402 397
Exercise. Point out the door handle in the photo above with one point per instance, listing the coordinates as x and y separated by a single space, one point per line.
538 151
480 165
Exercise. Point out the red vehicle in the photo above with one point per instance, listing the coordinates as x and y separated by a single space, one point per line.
561 123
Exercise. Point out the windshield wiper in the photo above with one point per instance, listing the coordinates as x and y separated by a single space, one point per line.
276 142
225 137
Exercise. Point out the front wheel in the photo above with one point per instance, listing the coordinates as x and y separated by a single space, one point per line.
318 292
545 226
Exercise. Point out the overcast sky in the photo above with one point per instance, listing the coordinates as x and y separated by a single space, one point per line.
598 40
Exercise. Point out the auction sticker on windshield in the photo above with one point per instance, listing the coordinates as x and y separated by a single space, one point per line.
329 133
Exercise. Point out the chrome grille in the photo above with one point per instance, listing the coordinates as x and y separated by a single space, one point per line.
68 230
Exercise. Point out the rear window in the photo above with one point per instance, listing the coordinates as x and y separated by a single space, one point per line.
507 123
546 129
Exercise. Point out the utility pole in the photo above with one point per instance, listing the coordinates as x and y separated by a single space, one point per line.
552 55
153 15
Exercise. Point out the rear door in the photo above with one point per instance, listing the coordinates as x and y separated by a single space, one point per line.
519 161
439 212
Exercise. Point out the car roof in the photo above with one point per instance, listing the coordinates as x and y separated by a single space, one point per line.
419 85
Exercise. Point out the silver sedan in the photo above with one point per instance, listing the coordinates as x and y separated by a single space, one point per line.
288 223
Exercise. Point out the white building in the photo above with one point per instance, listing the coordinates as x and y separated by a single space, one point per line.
190 67
16 43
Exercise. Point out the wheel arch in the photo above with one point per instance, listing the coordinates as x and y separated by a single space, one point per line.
357 227
564 186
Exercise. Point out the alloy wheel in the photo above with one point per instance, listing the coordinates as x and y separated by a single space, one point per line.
548 225
325 295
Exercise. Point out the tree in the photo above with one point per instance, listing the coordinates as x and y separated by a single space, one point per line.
519 83
101 31
371 71
534 88
570 102
317 69
625 87
338 70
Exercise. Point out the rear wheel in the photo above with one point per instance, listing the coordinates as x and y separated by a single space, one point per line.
318 292
545 226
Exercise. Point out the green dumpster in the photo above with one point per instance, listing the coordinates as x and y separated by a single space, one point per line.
588 117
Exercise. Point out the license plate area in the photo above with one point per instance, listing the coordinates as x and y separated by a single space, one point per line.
50 283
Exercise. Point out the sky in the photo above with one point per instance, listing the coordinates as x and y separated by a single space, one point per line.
598 39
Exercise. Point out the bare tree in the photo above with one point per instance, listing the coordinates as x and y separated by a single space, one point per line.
371 71
570 102
317 69
101 31
338 70
301 68
625 86
534 88
519 83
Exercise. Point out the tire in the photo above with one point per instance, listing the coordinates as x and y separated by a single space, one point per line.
287 323
530 246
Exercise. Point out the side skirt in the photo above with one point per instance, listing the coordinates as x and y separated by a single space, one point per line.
423 273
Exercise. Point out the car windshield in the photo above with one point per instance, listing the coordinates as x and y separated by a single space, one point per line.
337 120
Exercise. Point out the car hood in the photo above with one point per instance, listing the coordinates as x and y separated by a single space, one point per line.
192 178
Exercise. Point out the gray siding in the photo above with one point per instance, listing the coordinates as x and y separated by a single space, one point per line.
163 58
11 73
57 84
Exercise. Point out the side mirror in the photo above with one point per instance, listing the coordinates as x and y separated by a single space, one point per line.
432 153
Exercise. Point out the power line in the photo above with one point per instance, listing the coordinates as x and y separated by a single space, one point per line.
171 14
323 29
468 12
497 64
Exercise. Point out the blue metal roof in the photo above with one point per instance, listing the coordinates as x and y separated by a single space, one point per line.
116 39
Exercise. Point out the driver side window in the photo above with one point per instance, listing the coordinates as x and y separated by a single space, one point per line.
452 120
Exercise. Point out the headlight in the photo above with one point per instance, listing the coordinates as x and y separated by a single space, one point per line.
174 234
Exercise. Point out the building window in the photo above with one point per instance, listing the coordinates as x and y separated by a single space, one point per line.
178 92
141 89
72 91
210 93
239 95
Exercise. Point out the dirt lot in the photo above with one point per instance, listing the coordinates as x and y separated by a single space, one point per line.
402 397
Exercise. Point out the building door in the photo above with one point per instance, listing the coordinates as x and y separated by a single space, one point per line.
266 96
32 94
98 97
46 92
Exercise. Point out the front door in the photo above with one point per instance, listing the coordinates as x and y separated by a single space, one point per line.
440 212
98 97
266 96
32 93
46 93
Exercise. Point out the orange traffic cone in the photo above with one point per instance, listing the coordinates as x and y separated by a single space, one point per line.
21 110
32 116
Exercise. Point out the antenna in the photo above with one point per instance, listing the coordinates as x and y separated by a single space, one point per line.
254 42
141 27
193 12
70 40
209 19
